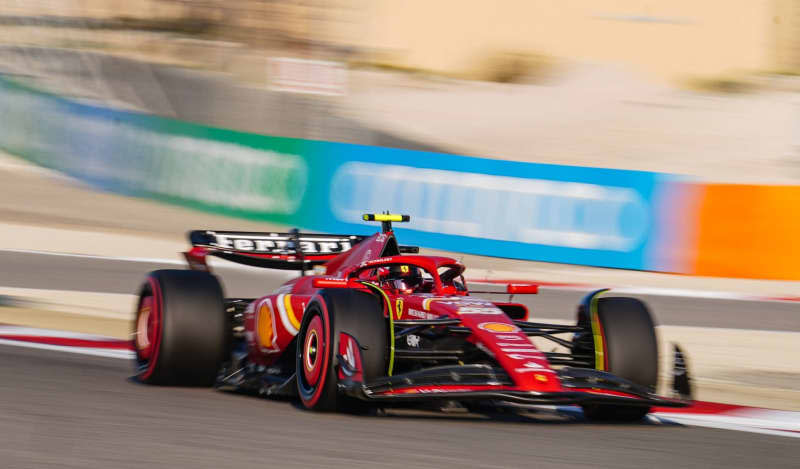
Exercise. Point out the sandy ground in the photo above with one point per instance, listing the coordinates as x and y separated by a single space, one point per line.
593 115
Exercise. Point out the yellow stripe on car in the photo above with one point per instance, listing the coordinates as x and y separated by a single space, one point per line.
391 324
597 333
287 302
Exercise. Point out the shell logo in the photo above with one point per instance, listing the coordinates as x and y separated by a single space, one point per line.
498 327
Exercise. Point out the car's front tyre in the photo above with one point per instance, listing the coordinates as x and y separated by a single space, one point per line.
622 336
329 315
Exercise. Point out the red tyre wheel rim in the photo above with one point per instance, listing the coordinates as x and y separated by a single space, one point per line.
313 351
314 355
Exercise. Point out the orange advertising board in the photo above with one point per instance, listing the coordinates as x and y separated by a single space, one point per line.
747 231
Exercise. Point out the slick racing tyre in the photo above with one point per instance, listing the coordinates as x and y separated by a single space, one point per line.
624 344
180 333
328 316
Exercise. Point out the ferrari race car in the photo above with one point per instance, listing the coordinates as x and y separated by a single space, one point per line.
377 325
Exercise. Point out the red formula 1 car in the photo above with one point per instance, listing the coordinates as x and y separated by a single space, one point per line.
380 326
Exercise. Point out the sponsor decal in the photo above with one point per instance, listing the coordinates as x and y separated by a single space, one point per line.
398 307
434 390
462 303
551 209
498 327
478 310
540 377
381 260
533 367
519 356
278 243
367 255
510 337
523 350
415 313
466 302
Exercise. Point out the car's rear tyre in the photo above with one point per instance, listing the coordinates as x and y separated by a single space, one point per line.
181 333
624 344
329 314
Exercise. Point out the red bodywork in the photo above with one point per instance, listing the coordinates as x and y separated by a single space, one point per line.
272 321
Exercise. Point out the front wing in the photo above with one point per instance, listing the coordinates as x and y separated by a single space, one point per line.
484 383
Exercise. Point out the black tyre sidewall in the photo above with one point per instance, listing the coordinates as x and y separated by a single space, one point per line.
359 315
630 352
194 328
631 345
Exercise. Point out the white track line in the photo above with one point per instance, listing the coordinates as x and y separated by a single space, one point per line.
98 352
6 330
151 260
753 420
214 263
775 427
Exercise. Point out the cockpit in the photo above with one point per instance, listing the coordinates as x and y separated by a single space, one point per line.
408 278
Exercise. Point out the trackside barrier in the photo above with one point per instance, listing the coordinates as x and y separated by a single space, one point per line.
566 214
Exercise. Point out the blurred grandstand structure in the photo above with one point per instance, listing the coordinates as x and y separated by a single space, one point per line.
698 88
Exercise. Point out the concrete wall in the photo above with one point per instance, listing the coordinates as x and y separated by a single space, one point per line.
95 8
672 39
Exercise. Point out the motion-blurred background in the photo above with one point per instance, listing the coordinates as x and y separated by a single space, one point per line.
652 146
233 114
702 89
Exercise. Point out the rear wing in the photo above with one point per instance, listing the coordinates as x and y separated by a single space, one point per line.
286 251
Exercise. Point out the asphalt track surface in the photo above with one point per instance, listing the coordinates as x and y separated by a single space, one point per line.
65 410
32 270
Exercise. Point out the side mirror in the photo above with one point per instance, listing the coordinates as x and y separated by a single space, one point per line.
449 290
513 289
332 282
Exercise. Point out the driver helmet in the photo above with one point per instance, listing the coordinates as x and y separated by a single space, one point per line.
405 278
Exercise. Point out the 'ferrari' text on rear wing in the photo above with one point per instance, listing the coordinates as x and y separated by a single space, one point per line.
288 251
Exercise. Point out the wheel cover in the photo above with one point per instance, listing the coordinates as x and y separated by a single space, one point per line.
313 348
146 328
